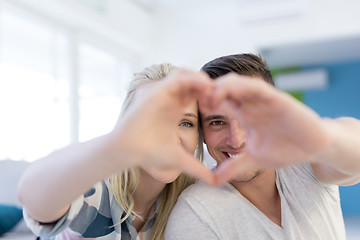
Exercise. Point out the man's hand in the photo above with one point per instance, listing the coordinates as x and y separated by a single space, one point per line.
279 130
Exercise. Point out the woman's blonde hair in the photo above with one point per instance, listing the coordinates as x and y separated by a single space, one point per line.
125 183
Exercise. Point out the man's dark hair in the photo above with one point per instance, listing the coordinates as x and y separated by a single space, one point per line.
243 64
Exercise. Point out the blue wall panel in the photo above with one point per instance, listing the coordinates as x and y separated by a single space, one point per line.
341 98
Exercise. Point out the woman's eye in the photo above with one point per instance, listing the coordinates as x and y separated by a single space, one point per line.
216 123
186 124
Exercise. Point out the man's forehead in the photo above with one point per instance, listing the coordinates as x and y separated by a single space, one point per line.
224 111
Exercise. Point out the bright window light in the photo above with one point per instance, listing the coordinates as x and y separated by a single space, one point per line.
34 91
54 87
103 80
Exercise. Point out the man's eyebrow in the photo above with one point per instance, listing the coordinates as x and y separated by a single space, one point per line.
213 117
191 115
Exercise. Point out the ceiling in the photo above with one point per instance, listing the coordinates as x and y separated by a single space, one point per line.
254 4
255 14
312 53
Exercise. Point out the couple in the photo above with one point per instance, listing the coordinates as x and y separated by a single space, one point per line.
282 161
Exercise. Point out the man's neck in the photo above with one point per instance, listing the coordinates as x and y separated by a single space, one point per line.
263 194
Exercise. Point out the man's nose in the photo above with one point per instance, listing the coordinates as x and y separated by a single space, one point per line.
236 136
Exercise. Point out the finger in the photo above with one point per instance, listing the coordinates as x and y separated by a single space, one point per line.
231 168
239 89
221 91
226 87
194 167
187 85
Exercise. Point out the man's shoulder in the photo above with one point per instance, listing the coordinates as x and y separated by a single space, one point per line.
202 191
203 200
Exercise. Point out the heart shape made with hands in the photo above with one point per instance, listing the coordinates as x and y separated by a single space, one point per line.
279 130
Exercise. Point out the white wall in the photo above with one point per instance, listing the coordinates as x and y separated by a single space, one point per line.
192 35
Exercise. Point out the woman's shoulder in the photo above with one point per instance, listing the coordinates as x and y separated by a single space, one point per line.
99 208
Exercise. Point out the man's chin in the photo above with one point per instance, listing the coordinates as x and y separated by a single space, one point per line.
248 178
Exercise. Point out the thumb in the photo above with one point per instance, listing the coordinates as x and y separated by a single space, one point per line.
231 168
193 167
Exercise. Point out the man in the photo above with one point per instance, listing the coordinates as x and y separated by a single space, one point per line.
283 161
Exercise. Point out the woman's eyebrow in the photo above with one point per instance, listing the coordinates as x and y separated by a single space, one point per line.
191 115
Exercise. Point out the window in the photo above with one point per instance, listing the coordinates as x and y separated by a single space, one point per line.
101 90
37 98
33 86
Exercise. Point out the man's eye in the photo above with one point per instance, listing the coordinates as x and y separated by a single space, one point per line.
216 123
186 124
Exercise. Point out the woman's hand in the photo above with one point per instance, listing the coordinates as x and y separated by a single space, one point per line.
146 130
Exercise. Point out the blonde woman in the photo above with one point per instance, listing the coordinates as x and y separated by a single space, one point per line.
141 161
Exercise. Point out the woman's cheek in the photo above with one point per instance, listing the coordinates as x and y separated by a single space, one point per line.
192 139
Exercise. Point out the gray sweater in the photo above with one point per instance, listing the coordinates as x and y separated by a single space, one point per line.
309 210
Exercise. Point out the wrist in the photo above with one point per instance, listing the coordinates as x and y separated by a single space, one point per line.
121 151
325 151
334 151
